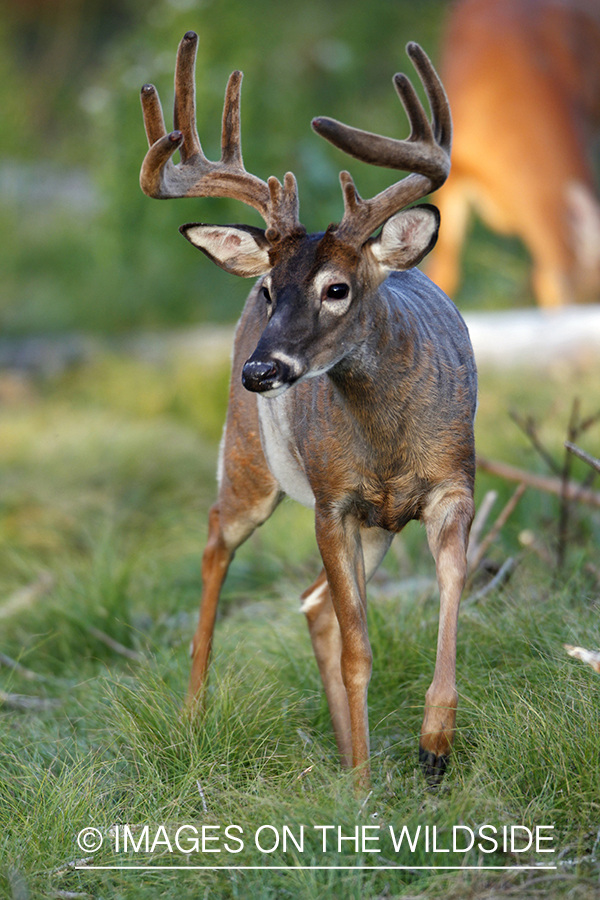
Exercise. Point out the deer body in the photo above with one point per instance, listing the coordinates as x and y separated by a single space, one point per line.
353 391
374 456
523 78
382 417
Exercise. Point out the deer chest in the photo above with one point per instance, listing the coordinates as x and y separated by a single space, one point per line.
280 453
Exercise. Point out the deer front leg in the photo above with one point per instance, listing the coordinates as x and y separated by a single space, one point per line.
229 525
248 494
448 523
215 563
341 550
327 642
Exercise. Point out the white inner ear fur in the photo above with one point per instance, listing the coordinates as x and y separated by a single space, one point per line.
234 249
406 238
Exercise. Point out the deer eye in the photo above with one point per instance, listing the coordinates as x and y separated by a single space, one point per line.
266 294
337 292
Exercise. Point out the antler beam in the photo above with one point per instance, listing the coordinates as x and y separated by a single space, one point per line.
425 153
197 176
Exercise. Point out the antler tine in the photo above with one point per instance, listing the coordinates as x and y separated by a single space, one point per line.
284 208
425 153
231 137
420 126
195 175
436 95
184 107
154 121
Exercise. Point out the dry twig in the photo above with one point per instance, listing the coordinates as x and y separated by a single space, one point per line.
23 701
586 457
115 645
481 517
27 596
494 531
529 428
499 580
19 669
563 486
565 501
202 797
69 895
545 483
71 865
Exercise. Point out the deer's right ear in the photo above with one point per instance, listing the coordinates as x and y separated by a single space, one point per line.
239 249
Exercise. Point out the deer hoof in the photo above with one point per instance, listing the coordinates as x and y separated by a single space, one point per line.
433 766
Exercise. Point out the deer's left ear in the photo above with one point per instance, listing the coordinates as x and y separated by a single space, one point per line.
239 249
406 238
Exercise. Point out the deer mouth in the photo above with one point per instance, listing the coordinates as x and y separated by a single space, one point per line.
271 376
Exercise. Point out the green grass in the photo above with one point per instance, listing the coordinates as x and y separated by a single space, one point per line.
107 474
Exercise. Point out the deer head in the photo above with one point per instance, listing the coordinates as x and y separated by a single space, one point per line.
314 287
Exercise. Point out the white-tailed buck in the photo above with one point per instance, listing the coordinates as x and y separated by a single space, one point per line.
523 80
353 387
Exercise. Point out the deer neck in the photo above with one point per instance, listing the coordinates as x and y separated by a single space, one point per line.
375 382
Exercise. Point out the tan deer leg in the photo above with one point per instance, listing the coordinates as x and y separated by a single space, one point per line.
225 535
327 645
551 285
444 263
341 550
546 232
248 494
448 523
326 638
215 563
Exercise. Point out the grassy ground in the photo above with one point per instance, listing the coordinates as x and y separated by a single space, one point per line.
107 473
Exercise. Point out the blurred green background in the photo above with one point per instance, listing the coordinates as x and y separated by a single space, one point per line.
81 248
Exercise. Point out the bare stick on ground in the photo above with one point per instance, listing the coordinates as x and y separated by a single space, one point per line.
545 483
529 428
71 865
481 517
565 501
19 669
24 701
28 595
499 580
115 645
480 550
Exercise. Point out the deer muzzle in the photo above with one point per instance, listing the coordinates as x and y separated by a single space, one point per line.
270 375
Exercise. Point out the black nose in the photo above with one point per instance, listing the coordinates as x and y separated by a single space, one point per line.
260 375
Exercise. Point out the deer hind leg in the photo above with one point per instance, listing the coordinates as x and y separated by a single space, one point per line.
248 494
583 216
448 522
545 232
327 646
551 286
326 639
453 202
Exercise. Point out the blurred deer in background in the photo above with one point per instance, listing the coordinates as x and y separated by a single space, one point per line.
353 387
523 80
